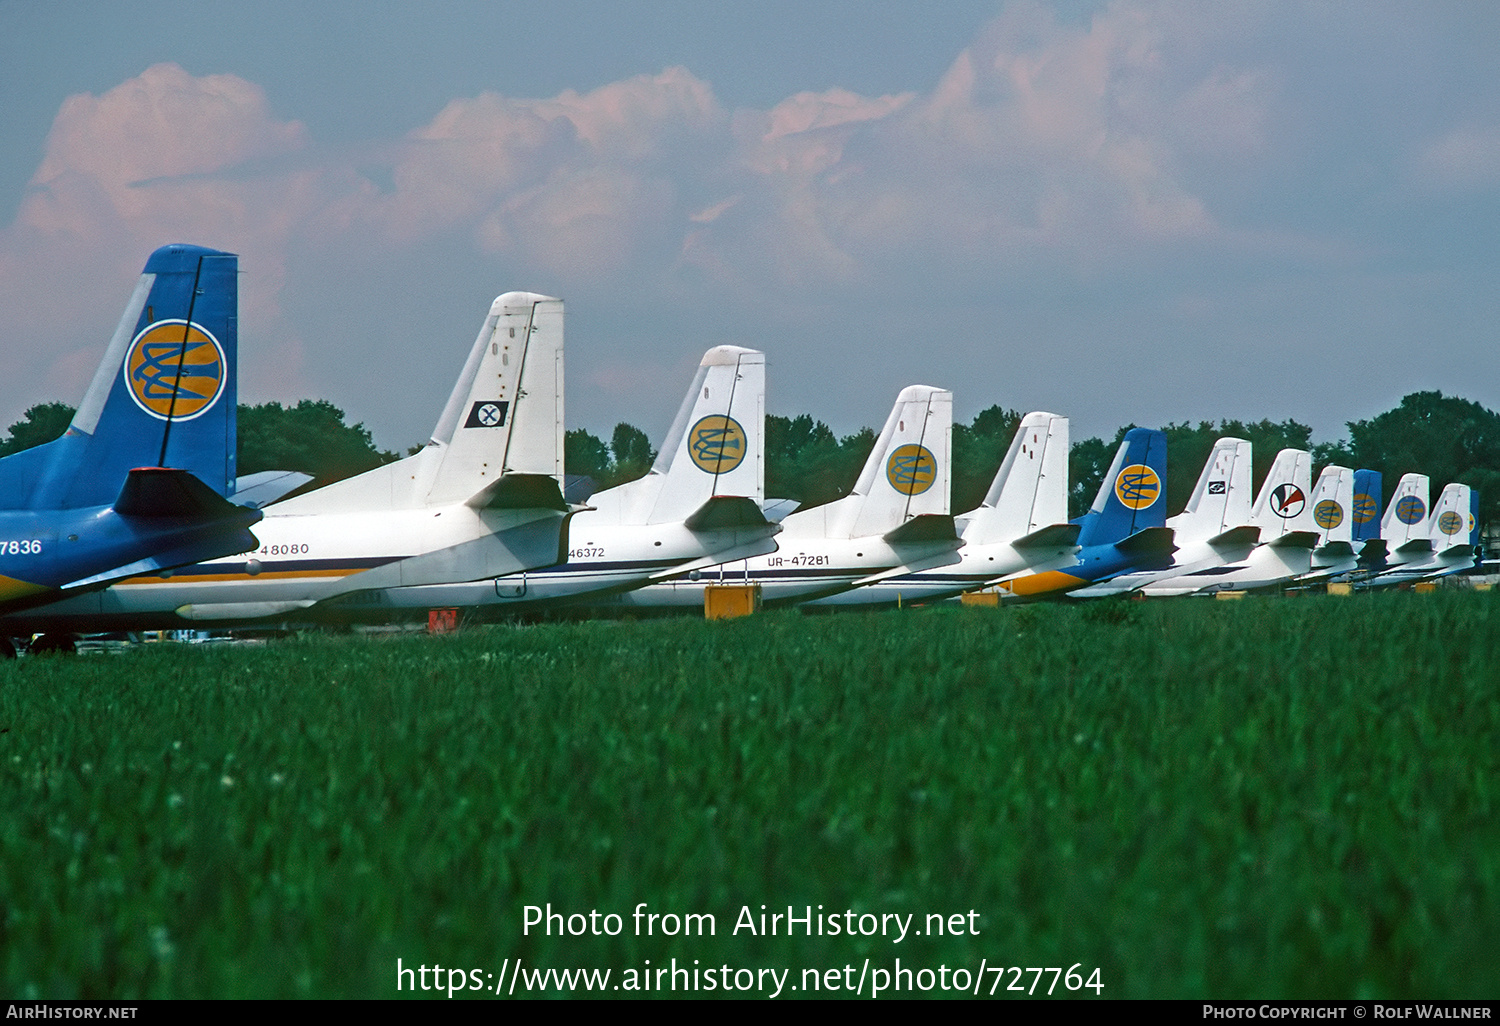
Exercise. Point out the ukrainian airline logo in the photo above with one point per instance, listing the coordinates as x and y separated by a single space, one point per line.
175 371
1450 523
487 414
1137 486
911 469
1287 501
1411 510
1218 487
1365 509
1328 514
717 444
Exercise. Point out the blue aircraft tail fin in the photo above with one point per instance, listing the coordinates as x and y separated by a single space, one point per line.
1133 495
1367 505
163 396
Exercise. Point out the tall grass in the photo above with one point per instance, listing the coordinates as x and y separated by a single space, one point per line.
1255 799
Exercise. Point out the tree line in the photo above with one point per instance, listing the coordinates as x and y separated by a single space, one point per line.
1445 437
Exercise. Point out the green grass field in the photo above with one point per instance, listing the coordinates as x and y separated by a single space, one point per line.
1266 798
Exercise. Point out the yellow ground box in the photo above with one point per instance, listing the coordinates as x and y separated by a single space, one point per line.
1340 588
1423 587
1229 596
988 597
724 601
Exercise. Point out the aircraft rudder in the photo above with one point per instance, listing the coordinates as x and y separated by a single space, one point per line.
1365 507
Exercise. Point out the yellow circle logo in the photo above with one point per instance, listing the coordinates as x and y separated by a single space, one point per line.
1137 486
1450 523
911 469
717 444
1328 514
175 371
1365 509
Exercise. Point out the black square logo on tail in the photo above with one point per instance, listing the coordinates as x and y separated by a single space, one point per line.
487 414
1218 487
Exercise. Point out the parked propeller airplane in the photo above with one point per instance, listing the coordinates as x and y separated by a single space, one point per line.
699 505
137 482
895 521
1211 531
1123 531
481 499
1423 543
1021 525
1283 519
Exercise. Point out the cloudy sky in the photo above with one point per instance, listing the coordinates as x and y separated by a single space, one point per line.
1123 212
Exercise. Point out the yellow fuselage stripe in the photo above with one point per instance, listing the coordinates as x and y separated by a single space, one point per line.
10 588
1042 583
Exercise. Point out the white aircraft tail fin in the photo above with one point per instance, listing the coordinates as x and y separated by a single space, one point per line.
499 441
906 474
1221 499
1405 519
1284 504
1333 505
505 415
715 449
1030 490
1450 518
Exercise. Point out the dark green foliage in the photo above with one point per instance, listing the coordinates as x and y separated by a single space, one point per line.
1259 799
585 453
1188 448
804 461
628 457
41 423
632 452
1088 462
310 437
978 450
1447 438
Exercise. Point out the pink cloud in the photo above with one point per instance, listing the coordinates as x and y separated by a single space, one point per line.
1041 139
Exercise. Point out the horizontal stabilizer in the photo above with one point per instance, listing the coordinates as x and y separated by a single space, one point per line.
1415 545
166 492
521 491
1236 536
763 545
1054 536
1296 540
931 561
725 512
925 527
1336 549
1150 539
777 510
260 490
